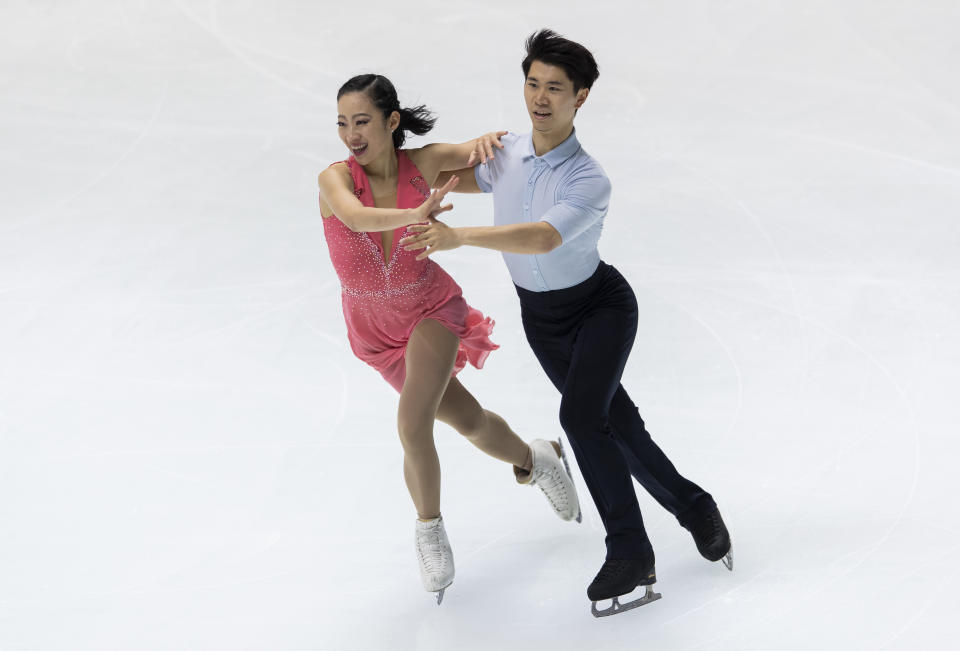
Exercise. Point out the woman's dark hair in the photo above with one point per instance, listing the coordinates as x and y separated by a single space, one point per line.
417 120
549 47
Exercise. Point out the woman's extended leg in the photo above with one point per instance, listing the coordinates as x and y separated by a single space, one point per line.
431 353
485 429
540 462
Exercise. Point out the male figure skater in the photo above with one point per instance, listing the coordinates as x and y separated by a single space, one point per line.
579 314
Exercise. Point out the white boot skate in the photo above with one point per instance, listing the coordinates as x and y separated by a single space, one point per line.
552 474
435 556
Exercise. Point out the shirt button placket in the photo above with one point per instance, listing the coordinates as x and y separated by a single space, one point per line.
527 199
528 196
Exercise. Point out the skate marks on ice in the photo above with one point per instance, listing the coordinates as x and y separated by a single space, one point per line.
857 558
809 326
803 320
240 49
54 211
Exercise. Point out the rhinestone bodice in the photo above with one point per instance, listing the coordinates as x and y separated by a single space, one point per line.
358 257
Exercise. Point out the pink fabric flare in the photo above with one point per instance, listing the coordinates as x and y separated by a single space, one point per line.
384 301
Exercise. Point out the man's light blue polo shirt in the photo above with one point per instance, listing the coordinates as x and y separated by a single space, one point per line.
565 187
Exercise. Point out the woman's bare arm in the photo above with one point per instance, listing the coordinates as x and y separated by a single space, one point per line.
435 159
335 192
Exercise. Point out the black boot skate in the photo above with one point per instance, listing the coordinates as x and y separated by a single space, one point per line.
712 538
618 577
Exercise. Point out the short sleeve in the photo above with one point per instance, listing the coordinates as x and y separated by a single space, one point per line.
583 203
484 177
489 173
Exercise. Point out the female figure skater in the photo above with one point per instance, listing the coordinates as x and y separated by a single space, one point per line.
406 317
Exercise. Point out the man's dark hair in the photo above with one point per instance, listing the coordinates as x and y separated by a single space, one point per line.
549 47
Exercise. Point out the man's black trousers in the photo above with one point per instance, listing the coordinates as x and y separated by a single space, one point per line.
582 337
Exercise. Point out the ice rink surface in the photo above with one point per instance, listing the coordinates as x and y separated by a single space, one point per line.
191 457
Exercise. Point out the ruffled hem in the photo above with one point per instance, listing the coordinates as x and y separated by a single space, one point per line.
475 344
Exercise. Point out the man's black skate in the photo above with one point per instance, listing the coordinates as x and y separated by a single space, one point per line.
712 538
619 576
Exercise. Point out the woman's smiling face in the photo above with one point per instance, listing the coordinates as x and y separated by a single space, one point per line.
362 127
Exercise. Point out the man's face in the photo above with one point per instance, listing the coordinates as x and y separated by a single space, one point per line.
551 100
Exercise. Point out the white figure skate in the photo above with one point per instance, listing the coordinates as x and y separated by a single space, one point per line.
435 556
552 474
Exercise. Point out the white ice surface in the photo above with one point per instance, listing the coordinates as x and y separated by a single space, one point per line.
191 458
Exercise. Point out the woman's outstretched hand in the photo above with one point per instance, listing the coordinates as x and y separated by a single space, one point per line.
483 147
433 206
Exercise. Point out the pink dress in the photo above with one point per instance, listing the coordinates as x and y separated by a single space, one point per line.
384 302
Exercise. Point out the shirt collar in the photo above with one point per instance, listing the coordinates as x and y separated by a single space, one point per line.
559 154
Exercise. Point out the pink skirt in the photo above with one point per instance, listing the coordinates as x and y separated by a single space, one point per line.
379 325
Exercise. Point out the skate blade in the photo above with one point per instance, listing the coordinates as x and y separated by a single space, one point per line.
728 560
616 607
440 595
566 466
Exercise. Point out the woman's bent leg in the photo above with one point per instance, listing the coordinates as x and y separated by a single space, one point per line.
540 462
430 355
485 429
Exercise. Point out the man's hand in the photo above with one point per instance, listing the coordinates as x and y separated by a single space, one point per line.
436 236
483 147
